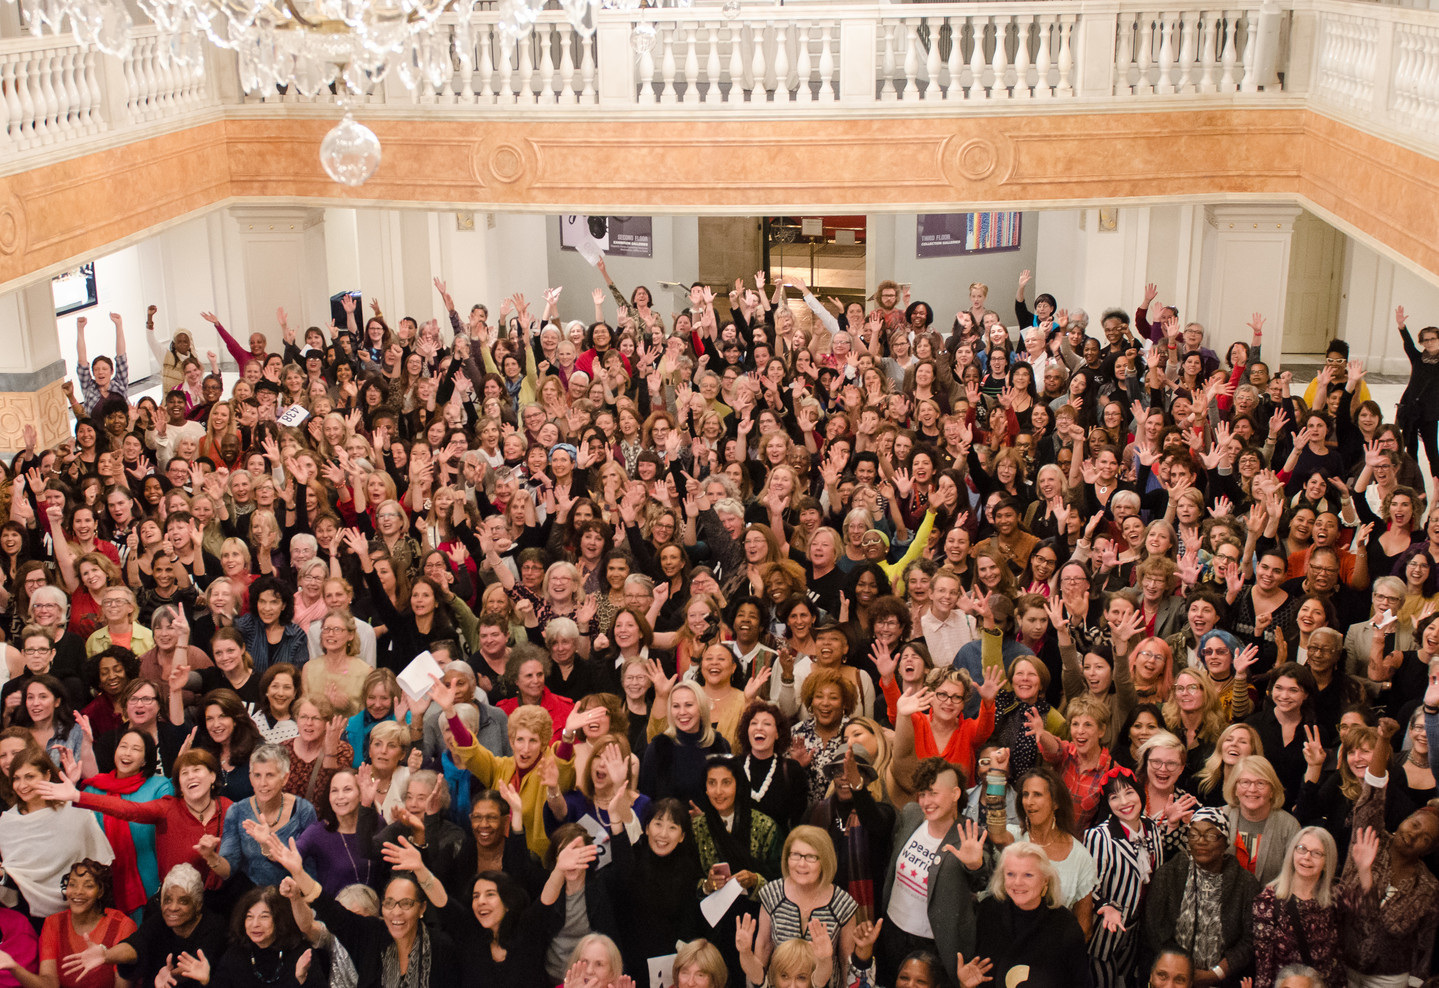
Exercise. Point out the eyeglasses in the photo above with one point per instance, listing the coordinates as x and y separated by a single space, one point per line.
38 651
800 856
1074 579
1166 766
399 904
1188 688
1210 836
144 699
1251 784
1150 653
943 696
1308 852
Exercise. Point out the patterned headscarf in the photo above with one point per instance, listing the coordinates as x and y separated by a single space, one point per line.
1215 815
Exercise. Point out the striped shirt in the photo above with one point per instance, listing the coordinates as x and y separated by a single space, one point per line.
786 922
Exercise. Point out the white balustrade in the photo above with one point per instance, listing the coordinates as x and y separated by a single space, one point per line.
1162 52
1376 65
50 95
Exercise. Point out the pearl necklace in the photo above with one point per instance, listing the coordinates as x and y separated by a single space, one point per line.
758 794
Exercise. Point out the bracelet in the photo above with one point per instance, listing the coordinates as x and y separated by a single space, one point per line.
1431 710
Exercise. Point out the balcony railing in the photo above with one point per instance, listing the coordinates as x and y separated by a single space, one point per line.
1374 65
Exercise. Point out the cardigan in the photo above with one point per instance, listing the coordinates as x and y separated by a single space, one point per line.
1279 828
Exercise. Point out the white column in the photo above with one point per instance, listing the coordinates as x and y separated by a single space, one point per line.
32 368
280 258
1245 270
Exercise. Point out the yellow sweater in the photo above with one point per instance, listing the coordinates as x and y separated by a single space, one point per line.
491 770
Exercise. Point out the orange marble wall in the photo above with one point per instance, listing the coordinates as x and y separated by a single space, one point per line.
63 211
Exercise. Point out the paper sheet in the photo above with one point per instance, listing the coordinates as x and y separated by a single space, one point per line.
662 971
415 679
601 835
292 416
716 904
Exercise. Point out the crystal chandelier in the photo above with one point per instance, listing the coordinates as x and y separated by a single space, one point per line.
317 46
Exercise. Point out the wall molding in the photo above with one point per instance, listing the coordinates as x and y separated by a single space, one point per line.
60 213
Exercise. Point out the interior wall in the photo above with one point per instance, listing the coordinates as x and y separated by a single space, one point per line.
943 282
1373 287
119 288
676 257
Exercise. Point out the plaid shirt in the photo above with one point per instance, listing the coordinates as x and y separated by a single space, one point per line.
1085 787
119 384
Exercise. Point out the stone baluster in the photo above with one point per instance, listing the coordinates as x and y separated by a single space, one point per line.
1022 25
665 37
826 67
713 66
692 63
803 66
976 56
1042 58
1066 55
782 92
588 93
999 61
759 67
1165 82
954 64
1227 60
736 64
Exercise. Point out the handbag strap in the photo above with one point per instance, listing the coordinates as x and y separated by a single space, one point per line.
1303 941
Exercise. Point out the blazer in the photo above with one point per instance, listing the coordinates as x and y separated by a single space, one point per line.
1238 889
1274 840
952 888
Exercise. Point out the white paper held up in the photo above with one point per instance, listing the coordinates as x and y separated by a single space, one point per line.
716 904
415 679
292 416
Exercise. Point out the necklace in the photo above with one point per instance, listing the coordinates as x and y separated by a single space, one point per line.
353 866
1421 761
758 794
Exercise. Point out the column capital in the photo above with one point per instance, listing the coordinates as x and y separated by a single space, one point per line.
276 219
1252 217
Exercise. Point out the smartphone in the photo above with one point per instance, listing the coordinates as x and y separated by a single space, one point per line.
722 872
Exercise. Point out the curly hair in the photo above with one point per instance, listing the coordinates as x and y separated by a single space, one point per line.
821 677
754 709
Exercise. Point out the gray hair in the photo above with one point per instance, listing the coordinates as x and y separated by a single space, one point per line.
638 579
164 614
430 779
51 595
1392 584
1299 971
561 627
359 899
1078 317
305 539
729 506
271 754
185 878
463 668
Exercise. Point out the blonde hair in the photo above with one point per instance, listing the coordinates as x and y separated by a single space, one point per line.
705 956
707 730
823 846
1026 849
1211 719
1212 774
1254 765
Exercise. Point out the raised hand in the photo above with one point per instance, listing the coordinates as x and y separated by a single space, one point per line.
974 972
971 846
1315 753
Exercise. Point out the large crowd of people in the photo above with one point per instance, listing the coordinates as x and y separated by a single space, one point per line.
779 642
